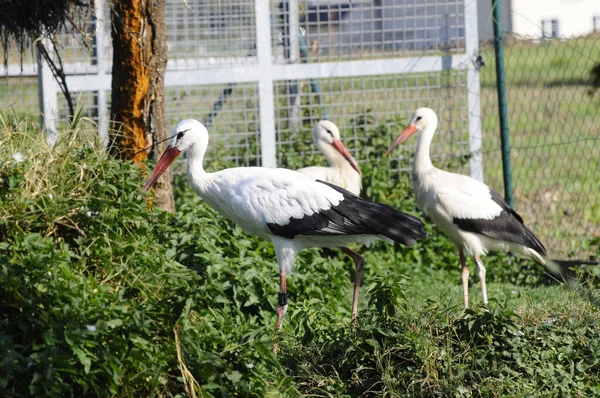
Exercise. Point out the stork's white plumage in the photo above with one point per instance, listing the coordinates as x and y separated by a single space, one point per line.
475 218
344 172
291 209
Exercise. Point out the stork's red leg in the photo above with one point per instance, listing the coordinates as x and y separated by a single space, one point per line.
282 300
359 263
465 277
482 279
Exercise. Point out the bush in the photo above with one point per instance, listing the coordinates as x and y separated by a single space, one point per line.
92 294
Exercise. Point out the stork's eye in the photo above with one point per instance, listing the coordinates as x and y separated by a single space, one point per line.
180 134
329 131
419 118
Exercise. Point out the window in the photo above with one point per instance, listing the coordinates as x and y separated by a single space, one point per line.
596 23
550 28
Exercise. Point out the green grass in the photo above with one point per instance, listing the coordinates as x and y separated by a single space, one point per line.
102 295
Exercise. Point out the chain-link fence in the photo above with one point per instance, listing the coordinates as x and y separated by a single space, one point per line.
554 126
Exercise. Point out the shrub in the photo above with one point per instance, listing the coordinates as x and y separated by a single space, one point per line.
92 294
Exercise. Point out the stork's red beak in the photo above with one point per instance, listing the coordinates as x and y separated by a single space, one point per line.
407 132
163 163
337 144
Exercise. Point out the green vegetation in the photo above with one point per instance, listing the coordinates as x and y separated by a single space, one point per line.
103 295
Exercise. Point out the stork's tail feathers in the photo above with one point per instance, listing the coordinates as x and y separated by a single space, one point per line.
389 222
379 219
538 251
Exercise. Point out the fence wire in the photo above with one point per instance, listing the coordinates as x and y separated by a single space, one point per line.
366 29
553 117
360 106
554 125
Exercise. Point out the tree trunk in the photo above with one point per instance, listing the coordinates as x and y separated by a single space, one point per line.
139 36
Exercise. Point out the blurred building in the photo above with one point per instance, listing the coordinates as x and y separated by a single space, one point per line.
541 18
554 18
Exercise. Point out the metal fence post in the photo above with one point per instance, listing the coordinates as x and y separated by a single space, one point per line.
294 31
502 106
100 39
473 90
48 90
292 53
265 84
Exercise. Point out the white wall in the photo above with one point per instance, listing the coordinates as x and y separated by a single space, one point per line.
485 22
575 17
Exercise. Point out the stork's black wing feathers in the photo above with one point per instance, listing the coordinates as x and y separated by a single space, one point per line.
507 226
355 216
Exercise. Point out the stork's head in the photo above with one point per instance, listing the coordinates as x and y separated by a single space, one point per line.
326 136
422 118
188 133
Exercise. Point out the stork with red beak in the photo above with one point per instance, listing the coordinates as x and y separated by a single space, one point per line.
291 209
344 172
475 218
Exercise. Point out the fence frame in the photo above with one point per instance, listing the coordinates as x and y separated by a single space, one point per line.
261 69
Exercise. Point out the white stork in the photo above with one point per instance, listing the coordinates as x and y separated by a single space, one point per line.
344 172
475 218
291 209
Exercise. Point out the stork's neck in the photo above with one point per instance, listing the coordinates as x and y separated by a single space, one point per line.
195 168
422 161
196 158
334 158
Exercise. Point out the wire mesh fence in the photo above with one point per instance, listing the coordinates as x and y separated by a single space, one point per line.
210 32
337 30
359 106
19 96
554 135
235 134
19 84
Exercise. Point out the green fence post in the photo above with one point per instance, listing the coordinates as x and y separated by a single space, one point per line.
502 107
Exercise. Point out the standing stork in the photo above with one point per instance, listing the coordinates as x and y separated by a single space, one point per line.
475 218
344 172
291 209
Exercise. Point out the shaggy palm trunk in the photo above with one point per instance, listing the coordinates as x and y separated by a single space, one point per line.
139 37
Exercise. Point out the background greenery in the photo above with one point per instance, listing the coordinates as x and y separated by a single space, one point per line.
103 295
